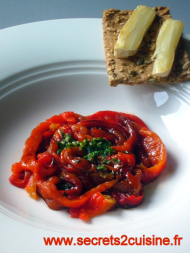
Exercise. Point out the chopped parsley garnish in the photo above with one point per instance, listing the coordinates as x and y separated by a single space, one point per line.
103 168
67 142
106 162
97 147
93 149
115 160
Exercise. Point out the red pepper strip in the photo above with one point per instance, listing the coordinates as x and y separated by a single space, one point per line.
131 185
56 119
96 205
73 157
50 202
133 137
65 118
51 190
75 181
127 191
115 169
57 136
18 182
48 167
77 128
138 174
118 137
68 177
102 134
72 120
52 150
67 115
47 134
47 171
104 124
45 158
86 182
31 187
126 130
54 179
142 158
82 137
80 117
135 119
127 159
107 115
17 168
127 200
134 182
135 200
156 153
32 144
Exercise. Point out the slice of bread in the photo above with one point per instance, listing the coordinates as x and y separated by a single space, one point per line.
137 69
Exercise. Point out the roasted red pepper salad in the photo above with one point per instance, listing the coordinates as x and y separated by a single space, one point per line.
89 164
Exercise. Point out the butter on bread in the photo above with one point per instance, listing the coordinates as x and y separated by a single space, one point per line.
137 69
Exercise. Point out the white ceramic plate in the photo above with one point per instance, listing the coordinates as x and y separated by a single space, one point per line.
50 67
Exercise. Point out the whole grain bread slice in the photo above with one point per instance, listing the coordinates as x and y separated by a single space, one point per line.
137 69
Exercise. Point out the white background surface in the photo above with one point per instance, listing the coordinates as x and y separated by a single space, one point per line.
19 12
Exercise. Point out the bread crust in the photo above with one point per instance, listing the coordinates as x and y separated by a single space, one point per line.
137 69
